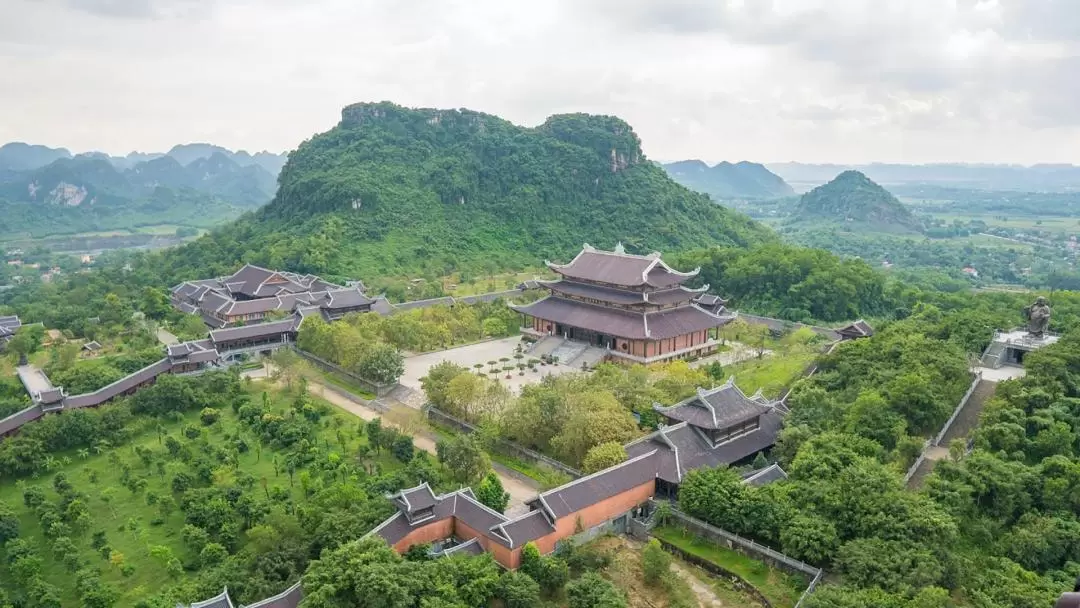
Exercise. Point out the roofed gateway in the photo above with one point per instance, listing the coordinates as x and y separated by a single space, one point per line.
633 306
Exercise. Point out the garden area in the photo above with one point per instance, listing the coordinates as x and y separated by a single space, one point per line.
780 588
190 485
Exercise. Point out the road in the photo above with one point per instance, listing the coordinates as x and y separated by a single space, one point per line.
520 488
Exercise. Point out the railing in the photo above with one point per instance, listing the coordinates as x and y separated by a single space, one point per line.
739 543
380 390
707 530
918 461
977 377
508 447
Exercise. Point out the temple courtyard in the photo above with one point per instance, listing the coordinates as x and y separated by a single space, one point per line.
417 366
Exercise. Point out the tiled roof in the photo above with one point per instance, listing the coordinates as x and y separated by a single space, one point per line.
588 490
415 499
289 598
255 330
858 329
717 408
120 386
11 321
765 476
683 448
618 268
657 325
20 418
525 528
218 601
598 292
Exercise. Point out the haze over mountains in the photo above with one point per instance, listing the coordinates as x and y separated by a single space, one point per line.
1034 178
49 191
741 180
19 156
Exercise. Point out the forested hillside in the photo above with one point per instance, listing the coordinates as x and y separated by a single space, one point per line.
393 191
852 198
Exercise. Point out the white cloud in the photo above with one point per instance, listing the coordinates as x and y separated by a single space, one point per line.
828 80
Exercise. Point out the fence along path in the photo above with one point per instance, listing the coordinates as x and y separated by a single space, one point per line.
743 545
963 421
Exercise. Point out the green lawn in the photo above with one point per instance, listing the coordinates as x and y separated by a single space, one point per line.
772 373
132 526
779 587
343 383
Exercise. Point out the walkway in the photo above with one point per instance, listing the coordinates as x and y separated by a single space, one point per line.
520 487
166 338
33 379
961 428
417 366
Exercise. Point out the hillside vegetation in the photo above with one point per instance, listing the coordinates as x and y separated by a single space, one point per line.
392 191
851 198
741 180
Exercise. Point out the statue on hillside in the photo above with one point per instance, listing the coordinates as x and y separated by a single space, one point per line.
1038 317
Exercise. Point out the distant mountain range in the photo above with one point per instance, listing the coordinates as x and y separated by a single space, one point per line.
1035 178
19 156
853 200
48 191
742 180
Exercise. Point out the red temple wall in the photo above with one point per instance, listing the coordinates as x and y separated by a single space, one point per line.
436 530
595 514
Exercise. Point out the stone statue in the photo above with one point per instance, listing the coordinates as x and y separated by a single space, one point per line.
1038 316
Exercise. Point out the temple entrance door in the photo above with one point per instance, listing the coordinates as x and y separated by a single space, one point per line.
558 329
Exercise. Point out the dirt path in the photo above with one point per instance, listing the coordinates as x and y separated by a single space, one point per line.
520 489
705 595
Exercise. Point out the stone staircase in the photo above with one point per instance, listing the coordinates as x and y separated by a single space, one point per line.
591 357
410 397
968 418
569 351
992 357
544 346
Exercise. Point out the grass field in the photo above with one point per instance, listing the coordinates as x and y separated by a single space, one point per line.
771 374
779 587
133 526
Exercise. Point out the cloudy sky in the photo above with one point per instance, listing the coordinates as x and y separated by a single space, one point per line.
766 80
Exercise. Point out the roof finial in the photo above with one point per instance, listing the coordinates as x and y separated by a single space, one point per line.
619 247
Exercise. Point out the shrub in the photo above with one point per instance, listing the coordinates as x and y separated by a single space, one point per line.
655 563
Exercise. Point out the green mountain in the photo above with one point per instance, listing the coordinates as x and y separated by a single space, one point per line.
742 180
392 191
854 200
88 193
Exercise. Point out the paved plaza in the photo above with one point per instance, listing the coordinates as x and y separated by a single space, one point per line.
417 366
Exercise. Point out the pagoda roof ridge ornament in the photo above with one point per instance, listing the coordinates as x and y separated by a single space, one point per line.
619 248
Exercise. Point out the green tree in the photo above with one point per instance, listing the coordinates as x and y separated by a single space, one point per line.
518 590
593 591
491 493
602 456
655 563
463 457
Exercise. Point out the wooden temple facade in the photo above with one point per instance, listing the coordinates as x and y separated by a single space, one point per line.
633 306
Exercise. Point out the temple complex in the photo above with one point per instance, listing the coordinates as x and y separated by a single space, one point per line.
254 294
634 307
720 426
8 327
